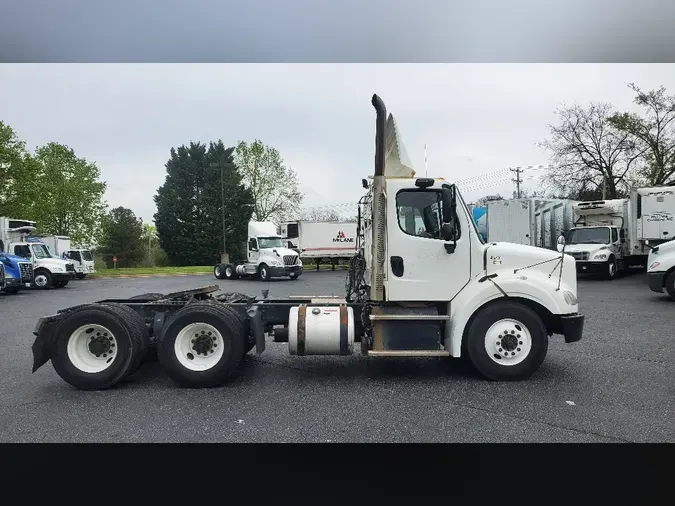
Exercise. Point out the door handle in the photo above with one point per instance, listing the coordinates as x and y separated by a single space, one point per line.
397 266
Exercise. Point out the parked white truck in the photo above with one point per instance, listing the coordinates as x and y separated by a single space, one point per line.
48 271
531 221
661 268
612 235
267 256
60 247
321 241
436 292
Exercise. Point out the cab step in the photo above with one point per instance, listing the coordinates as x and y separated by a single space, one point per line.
408 353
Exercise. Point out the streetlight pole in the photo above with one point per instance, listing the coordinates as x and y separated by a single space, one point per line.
224 257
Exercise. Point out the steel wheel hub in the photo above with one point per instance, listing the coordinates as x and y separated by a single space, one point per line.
508 342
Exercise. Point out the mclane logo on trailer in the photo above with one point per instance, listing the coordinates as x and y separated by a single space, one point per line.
341 237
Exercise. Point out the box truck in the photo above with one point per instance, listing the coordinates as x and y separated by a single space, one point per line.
321 241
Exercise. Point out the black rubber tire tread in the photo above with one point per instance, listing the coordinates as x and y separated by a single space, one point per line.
125 332
228 322
135 321
219 271
670 284
267 269
475 336
151 296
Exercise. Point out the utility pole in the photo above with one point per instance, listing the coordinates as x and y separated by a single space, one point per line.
604 187
517 180
224 258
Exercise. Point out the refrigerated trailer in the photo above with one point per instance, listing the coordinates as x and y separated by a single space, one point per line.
321 241
531 221
431 291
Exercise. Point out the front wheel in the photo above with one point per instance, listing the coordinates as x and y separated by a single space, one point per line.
610 269
43 280
507 341
264 272
670 284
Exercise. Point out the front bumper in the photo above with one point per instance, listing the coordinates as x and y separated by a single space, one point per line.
594 267
276 272
13 283
63 276
655 281
572 327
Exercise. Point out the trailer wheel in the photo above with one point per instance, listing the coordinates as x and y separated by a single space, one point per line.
230 272
43 279
670 284
202 345
610 268
96 346
219 271
264 272
507 341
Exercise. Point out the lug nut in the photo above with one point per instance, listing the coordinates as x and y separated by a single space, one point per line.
513 353
518 349
500 349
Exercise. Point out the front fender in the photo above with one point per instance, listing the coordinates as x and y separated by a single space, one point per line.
480 291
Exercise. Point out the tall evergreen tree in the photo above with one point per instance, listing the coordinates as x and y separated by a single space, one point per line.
189 209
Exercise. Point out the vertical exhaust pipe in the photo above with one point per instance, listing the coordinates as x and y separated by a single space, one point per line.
379 204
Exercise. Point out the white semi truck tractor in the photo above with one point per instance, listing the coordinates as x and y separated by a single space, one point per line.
268 257
423 284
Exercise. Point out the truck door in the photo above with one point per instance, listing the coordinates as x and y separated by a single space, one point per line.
419 268
253 252
23 250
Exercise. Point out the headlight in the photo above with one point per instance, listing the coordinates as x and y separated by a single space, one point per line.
275 263
570 298
600 256
654 265
299 262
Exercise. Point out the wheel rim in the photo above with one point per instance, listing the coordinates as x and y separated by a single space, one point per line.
263 273
41 280
217 271
612 268
509 340
228 272
92 348
199 346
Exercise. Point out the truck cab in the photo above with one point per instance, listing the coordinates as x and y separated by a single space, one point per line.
597 249
267 256
18 273
83 261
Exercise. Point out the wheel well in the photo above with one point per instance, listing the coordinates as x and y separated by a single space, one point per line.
551 323
665 276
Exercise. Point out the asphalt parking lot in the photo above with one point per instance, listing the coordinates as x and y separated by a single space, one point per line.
616 385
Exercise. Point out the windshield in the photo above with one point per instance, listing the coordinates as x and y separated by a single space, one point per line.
41 251
86 255
269 242
589 235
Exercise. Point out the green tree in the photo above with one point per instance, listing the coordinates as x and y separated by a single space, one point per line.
122 236
69 194
275 187
488 198
189 205
17 182
654 133
588 154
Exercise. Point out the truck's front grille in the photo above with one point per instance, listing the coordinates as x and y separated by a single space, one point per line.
70 268
580 255
26 270
290 259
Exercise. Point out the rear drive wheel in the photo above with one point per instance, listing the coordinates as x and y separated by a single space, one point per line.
202 345
219 271
670 284
96 346
507 341
264 272
43 279
230 272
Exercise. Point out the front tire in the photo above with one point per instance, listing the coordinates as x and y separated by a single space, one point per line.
670 285
60 284
202 345
507 341
43 279
264 272
610 269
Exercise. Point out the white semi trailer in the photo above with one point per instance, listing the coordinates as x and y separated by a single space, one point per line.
411 291
321 241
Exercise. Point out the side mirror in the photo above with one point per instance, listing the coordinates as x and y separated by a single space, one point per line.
449 204
448 231
561 243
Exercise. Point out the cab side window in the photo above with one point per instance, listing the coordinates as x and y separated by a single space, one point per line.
252 244
22 251
615 235
419 213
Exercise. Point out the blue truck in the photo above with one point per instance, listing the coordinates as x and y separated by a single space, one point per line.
17 272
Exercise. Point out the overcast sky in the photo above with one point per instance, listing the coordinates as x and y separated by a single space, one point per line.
474 118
